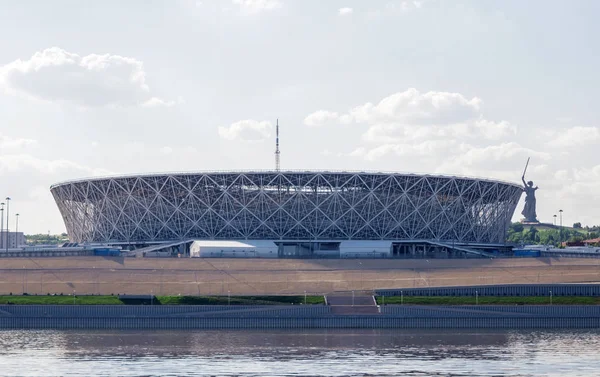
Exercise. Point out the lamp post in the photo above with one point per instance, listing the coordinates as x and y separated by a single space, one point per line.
560 211
1 223
17 231
554 219
7 227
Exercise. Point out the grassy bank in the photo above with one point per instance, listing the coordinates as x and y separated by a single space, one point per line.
447 300
162 300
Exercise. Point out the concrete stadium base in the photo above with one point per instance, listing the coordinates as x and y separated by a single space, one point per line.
196 276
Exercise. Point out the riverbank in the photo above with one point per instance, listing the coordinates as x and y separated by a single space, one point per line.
207 277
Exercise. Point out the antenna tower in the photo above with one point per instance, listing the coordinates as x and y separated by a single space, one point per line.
277 153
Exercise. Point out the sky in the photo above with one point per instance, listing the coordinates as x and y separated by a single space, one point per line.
471 88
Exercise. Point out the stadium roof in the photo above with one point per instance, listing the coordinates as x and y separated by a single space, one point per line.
258 171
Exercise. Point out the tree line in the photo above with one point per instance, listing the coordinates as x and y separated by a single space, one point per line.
520 234
46 239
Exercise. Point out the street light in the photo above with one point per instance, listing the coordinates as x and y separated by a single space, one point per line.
7 227
554 219
1 223
17 231
560 211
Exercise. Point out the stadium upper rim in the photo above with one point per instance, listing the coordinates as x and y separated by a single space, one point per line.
267 171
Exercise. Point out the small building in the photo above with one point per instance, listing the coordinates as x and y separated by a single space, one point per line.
14 240
233 249
592 242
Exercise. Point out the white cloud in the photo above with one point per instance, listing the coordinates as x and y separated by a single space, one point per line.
494 130
156 102
256 6
427 149
410 5
246 130
56 75
26 165
575 136
345 11
491 156
411 107
324 117
7 142
166 150
479 129
411 115
414 107
394 7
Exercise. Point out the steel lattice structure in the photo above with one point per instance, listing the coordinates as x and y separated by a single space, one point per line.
286 206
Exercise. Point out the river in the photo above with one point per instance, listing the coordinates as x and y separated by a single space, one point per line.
299 353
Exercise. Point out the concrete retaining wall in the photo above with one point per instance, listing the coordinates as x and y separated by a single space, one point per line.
137 311
296 317
369 322
485 311
500 290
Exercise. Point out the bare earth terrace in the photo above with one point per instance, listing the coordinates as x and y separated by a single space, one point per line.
99 275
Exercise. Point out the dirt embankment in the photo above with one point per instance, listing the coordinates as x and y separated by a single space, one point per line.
98 275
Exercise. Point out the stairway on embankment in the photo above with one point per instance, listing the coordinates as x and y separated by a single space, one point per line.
348 303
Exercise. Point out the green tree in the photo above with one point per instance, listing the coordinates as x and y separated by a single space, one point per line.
517 227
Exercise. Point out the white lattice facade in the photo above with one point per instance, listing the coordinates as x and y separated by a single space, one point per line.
286 206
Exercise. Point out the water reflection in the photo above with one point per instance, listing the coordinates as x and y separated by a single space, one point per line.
317 352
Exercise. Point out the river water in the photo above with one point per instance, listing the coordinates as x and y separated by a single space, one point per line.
300 353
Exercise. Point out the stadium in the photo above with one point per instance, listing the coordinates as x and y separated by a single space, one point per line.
291 213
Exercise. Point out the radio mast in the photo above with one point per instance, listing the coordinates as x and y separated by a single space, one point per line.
277 153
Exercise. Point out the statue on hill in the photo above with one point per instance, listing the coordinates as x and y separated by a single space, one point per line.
529 209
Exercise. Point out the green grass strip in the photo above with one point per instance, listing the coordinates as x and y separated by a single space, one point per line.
162 300
60 300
